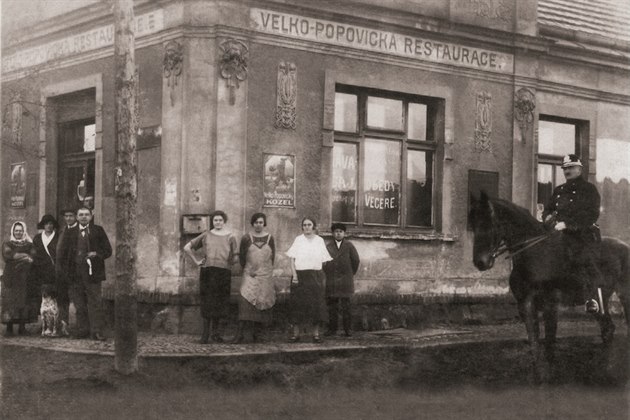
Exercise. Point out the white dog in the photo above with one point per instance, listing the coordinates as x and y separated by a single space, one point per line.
49 312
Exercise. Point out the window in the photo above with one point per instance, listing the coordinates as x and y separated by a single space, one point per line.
383 158
557 137
76 164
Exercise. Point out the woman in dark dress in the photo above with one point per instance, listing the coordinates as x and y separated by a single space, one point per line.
43 269
18 257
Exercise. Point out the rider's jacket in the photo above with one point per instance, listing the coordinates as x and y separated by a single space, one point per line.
576 203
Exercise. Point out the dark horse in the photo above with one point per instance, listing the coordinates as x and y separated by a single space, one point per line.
540 276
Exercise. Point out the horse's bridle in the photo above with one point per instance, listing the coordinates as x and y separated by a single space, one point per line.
500 246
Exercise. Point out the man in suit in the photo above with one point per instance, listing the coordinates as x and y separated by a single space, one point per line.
81 257
573 210
340 279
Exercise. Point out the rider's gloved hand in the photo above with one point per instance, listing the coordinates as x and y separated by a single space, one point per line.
560 226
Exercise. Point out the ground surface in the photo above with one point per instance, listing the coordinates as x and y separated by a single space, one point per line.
434 379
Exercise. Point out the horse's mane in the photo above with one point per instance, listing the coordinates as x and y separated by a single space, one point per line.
518 215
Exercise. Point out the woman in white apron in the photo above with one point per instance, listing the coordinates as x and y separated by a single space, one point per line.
258 295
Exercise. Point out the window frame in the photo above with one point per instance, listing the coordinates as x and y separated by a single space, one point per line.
432 144
580 148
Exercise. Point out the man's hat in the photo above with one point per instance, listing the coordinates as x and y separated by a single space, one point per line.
571 160
336 226
47 218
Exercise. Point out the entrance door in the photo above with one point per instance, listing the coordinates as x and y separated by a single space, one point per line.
76 165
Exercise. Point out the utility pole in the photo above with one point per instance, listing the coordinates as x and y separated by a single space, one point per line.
126 186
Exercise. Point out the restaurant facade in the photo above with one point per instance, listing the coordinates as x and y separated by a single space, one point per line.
385 116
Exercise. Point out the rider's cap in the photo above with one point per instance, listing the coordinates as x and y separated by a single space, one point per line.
571 160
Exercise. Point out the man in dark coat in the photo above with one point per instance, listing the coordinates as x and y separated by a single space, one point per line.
573 210
63 298
81 258
340 279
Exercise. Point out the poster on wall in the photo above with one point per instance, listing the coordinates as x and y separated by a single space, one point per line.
18 185
279 180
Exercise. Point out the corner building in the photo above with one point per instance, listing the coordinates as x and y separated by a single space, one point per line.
382 115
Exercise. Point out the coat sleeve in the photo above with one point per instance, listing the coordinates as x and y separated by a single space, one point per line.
40 252
354 258
242 251
587 211
550 207
7 252
106 247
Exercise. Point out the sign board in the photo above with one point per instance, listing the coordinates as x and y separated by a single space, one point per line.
375 40
93 39
18 185
279 180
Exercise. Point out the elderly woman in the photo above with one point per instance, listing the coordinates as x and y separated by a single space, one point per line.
219 249
18 256
45 251
307 303
258 295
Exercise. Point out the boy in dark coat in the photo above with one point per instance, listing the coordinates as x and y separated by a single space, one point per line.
340 278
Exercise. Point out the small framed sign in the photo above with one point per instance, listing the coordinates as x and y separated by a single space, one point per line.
18 185
279 180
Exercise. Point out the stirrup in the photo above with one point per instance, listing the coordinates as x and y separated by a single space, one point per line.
591 306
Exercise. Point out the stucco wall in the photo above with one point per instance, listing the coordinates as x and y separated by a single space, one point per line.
389 266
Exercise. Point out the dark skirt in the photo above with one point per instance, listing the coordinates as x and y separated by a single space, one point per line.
307 303
248 312
214 290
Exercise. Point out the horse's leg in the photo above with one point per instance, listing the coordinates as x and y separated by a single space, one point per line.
550 314
530 313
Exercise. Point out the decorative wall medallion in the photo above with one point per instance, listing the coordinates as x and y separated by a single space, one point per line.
524 106
286 96
233 63
173 62
483 122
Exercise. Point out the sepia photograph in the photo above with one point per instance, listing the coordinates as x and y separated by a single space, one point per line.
315 209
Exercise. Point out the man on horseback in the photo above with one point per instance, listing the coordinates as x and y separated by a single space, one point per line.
573 210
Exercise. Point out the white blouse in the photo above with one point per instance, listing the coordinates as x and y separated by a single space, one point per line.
309 253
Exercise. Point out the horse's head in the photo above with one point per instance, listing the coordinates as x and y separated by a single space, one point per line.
487 235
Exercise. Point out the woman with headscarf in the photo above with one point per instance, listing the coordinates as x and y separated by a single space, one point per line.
18 256
43 270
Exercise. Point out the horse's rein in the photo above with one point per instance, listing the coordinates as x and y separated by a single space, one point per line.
502 248
526 244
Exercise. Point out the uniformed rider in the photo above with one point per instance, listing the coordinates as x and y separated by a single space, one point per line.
573 210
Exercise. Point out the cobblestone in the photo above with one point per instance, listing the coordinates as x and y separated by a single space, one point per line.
274 342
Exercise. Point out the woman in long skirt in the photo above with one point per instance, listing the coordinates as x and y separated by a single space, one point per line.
258 295
43 272
18 256
307 303
218 246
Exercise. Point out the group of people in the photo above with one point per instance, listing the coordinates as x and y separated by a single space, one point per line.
322 278
69 264
66 263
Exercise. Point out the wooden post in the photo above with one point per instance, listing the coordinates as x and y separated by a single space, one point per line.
126 188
